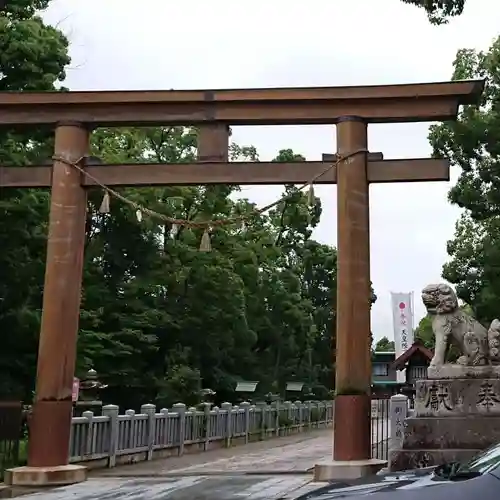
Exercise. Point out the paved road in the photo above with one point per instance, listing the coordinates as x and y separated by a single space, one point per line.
274 469
185 488
286 455
291 454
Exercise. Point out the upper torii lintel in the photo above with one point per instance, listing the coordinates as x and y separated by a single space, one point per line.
272 106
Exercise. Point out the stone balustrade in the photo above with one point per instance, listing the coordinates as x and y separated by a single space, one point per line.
113 439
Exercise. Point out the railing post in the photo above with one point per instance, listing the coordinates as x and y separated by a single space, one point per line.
320 414
112 411
89 415
293 414
180 409
193 424
130 443
298 404
310 408
163 437
207 407
150 410
398 410
252 415
288 414
246 407
227 408
261 408
234 419
277 406
215 432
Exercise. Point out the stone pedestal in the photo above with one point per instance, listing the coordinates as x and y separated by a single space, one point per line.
454 419
45 476
349 469
454 371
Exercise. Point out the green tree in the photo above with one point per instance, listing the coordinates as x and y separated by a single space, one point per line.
149 293
161 320
182 385
32 57
153 303
439 11
384 345
472 143
423 332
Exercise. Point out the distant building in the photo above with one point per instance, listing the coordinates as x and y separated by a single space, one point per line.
415 361
385 366
384 376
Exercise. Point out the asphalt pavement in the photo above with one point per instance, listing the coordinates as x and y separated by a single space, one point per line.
270 470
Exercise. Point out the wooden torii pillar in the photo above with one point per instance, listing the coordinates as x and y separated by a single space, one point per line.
73 114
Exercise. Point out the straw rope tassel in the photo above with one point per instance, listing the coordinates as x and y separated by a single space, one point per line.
311 199
104 208
205 245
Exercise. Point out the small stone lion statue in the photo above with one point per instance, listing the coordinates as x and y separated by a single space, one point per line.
452 325
494 341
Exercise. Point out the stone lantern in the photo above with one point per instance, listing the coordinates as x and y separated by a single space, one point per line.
89 397
207 395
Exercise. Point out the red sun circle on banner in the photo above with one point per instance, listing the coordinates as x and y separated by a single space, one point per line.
402 305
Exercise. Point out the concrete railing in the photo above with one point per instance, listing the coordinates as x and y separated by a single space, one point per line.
113 439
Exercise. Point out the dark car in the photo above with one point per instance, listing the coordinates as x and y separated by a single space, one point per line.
478 479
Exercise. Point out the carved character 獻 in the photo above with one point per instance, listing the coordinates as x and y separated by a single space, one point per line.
437 396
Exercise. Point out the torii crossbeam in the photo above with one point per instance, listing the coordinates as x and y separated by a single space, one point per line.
242 173
72 114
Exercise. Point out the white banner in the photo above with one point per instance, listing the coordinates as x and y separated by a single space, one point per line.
402 317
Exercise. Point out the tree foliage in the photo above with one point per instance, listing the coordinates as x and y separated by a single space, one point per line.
385 345
423 332
32 57
160 320
439 11
257 307
473 144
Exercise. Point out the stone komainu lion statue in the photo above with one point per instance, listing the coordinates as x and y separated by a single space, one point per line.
450 324
494 341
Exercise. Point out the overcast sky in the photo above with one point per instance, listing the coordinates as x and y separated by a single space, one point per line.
158 44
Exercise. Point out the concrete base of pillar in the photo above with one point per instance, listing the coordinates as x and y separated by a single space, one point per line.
46 476
349 469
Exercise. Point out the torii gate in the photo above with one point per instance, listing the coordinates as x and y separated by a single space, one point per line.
73 114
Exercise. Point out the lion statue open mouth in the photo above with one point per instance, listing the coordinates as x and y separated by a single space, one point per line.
450 324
